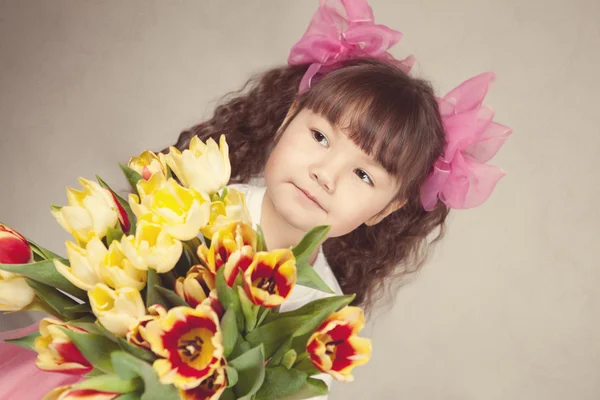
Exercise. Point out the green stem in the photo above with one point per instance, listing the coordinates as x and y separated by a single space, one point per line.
191 249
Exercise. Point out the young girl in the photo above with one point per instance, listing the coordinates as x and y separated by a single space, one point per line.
344 136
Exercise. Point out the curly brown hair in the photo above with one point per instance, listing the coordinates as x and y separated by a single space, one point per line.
386 113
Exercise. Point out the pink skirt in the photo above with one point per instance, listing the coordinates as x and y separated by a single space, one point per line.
20 378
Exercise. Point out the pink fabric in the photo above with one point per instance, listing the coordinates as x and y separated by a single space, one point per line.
461 178
20 378
342 30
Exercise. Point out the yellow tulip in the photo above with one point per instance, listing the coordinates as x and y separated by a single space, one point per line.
269 280
117 310
225 211
84 270
179 211
196 287
148 164
90 212
204 167
15 293
119 272
152 247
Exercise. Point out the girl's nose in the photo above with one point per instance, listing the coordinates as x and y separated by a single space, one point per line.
324 178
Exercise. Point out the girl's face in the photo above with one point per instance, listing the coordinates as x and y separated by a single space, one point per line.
316 175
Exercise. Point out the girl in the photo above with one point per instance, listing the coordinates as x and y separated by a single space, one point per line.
344 136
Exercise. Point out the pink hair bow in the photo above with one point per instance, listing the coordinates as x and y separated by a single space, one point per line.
342 30
461 178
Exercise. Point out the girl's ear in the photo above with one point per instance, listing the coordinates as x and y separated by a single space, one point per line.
393 206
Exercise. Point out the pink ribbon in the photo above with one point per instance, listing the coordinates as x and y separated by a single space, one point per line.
341 30
461 178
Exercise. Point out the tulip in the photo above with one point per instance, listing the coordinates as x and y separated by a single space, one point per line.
15 293
148 164
196 286
68 392
225 210
14 248
136 333
335 348
210 389
269 280
119 272
90 212
179 211
189 344
117 310
151 247
232 246
56 352
204 167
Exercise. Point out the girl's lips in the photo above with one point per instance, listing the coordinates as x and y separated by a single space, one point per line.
310 197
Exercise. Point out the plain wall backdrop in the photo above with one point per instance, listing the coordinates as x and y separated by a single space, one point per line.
508 307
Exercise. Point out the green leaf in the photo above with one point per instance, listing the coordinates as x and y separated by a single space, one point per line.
295 323
230 331
58 301
263 313
241 346
95 348
228 298
249 309
280 382
110 383
136 351
44 253
312 388
228 395
55 208
128 367
123 203
250 367
80 308
232 376
25 341
309 243
289 358
307 276
113 234
152 295
45 272
261 245
130 396
172 297
277 358
132 176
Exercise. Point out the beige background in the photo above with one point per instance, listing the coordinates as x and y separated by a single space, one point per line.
509 306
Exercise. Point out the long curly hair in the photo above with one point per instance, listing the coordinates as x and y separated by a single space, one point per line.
386 113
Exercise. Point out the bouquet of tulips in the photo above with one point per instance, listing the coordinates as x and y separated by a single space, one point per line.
172 293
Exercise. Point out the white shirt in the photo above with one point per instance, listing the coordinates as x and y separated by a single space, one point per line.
300 295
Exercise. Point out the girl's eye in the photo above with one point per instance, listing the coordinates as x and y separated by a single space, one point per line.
364 176
320 138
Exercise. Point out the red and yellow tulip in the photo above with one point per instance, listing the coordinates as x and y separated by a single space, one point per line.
136 333
210 389
335 348
196 286
232 246
56 352
14 248
269 280
190 345
68 392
